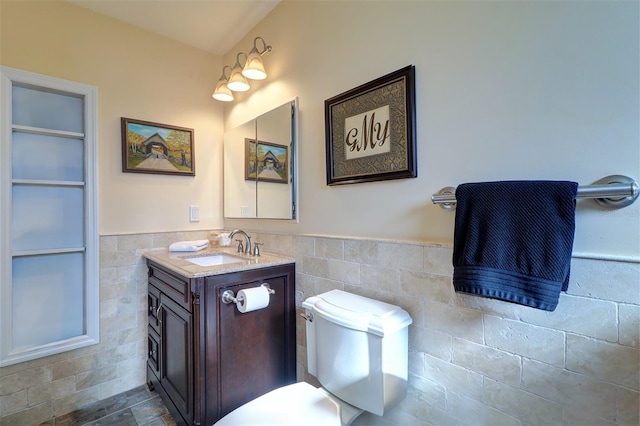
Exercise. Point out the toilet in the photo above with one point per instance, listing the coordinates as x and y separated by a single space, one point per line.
357 349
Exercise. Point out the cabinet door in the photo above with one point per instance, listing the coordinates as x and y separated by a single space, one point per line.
49 253
256 348
176 356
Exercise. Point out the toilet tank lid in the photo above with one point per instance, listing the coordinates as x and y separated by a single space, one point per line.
358 312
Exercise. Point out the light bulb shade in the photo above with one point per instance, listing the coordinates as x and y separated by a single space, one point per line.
237 82
222 92
254 67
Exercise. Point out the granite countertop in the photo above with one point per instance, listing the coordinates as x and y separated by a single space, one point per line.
175 261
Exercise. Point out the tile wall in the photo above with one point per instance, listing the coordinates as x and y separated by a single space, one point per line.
472 360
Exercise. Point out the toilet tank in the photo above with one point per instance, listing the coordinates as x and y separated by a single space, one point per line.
357 349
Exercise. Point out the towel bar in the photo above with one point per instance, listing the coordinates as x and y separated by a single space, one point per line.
615 191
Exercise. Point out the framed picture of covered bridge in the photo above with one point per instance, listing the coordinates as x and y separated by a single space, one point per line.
149 147
266 161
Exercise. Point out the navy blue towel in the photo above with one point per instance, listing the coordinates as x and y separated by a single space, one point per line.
513 240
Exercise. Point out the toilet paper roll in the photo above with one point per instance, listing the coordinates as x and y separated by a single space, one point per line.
252 299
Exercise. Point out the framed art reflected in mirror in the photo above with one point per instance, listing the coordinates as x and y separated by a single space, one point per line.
266 161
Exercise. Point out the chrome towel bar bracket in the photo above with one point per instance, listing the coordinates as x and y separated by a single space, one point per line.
613 192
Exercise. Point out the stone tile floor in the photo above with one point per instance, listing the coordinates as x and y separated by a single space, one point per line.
136 407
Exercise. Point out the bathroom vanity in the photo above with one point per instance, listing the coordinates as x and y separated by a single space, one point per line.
205 357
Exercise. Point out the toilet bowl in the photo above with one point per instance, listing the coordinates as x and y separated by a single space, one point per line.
357 349
293 405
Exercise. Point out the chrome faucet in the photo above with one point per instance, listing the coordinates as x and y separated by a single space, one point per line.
247 240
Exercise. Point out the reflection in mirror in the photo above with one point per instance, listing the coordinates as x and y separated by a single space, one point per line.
259 166
239 194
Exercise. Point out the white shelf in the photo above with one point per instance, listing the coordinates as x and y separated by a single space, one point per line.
35 182
45 252
47 132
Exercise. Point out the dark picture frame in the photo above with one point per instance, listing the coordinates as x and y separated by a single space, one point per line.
266 161
370 131
149 147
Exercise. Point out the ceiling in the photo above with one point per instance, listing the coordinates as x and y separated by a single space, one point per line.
212 25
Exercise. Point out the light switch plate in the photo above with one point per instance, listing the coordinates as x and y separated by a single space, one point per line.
194 213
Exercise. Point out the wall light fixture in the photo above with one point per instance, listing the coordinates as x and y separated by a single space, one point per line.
222 92
237 82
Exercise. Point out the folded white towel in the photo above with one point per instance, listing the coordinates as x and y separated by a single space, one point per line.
189 245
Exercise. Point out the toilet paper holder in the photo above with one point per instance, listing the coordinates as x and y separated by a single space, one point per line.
228 296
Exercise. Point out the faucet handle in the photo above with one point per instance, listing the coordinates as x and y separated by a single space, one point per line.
256 248
240 246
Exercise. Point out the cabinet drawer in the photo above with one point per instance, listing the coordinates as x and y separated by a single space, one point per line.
153 347
176 287
153 301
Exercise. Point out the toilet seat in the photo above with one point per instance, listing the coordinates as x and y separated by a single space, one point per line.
292 405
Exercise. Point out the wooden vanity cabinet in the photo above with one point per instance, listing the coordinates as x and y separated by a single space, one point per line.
205 357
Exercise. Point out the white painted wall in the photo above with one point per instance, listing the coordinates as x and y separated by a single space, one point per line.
139 75
505 90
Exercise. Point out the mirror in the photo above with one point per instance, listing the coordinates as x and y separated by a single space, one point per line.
260 166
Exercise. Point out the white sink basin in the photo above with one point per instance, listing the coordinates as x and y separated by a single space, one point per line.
214 259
